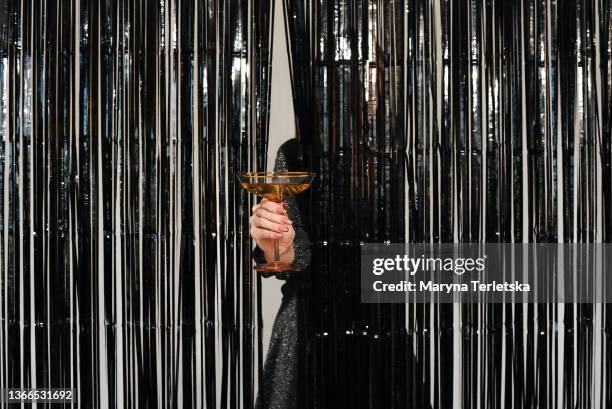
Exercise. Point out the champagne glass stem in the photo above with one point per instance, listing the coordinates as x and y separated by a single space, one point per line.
276 251
276 242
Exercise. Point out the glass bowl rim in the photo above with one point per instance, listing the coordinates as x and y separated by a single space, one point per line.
287 175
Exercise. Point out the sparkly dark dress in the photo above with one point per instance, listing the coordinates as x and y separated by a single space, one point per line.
284 365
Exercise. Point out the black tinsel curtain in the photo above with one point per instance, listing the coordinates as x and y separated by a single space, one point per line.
125 258
453 121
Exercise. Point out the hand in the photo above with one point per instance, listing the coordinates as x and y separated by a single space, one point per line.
269 221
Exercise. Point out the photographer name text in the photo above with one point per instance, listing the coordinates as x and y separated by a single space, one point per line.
430 286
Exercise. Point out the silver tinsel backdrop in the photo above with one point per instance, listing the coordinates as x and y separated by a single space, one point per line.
453 121
124 250
125 269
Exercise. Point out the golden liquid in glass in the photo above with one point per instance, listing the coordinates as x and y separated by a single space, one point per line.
276 192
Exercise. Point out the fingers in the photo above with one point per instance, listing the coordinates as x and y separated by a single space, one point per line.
270 206
263 231
273 217
264 223
269 221
258 233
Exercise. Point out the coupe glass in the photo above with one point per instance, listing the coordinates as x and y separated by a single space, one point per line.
276 187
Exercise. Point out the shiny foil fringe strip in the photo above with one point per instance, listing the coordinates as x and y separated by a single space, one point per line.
124 249
453 121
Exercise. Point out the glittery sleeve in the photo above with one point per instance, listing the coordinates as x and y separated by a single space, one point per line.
301 242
